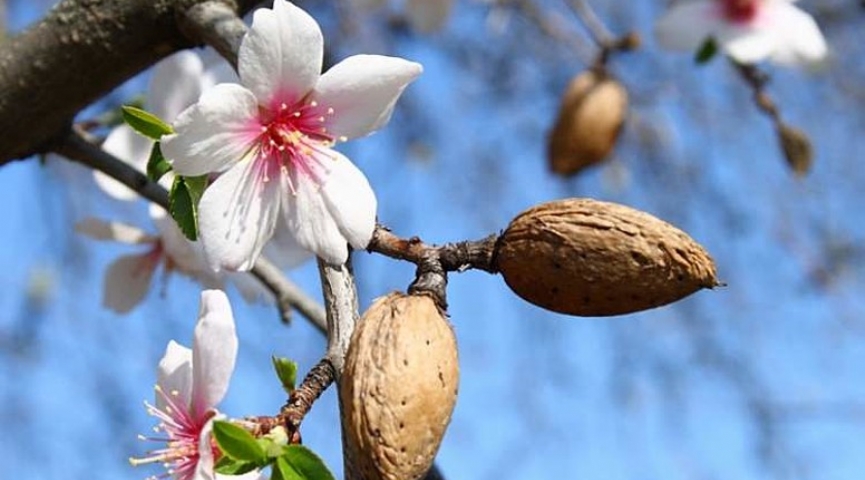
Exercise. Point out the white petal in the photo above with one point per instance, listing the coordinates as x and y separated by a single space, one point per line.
237 215
362 91
174 375
747 44
308 218
186 257
350 201
283 249
205 464
280 58
175 85
214 350
130 147
114 231
323 218
215 132
127 282
799 38
428 15
221 72
686 25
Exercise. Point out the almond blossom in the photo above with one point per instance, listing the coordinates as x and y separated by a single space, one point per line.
749 31
129 277
190 384
272 137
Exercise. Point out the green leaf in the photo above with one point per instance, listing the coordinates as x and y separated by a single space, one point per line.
706 51
237 443
157 165
145 122
305 463
196 186
282 470
286 370
229 466
183 209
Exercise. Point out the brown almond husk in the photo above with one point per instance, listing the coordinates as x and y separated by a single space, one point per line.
590 258
590 118
398 388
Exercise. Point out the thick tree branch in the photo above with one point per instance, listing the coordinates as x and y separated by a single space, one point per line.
79 52
216 24
75 146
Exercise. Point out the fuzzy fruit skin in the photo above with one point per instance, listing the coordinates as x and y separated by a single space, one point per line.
591 258
398 388
590 118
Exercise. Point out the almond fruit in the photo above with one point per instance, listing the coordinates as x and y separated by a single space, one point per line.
591 258
590 118
398 388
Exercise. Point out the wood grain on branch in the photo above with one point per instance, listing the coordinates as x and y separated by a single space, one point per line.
78 53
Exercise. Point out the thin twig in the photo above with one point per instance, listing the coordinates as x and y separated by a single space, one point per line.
600 34
454 257
795 144
78 147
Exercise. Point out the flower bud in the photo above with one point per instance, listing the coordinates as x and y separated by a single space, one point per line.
398 388
797 149
591 258
590 118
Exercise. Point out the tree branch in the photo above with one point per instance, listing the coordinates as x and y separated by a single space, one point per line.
216 24
80 51
340 301
75 146
454 257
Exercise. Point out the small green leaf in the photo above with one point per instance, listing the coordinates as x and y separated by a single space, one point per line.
306 463
237 443
286 370
196 186
706 51
183 209
282 470
157 165
145 122
229 466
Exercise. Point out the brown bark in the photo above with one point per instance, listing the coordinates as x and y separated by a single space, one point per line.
79 52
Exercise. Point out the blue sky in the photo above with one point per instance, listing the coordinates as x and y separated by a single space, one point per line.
761 379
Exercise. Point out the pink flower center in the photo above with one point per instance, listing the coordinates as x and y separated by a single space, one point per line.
294 138
740 11
182 431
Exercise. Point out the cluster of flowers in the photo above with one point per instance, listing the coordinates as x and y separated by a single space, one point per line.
265 138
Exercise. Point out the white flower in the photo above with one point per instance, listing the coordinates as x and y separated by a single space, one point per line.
747 30
272 136
177 82
129 277
190 384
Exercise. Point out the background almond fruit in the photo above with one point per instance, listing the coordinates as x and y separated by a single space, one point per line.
590 118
